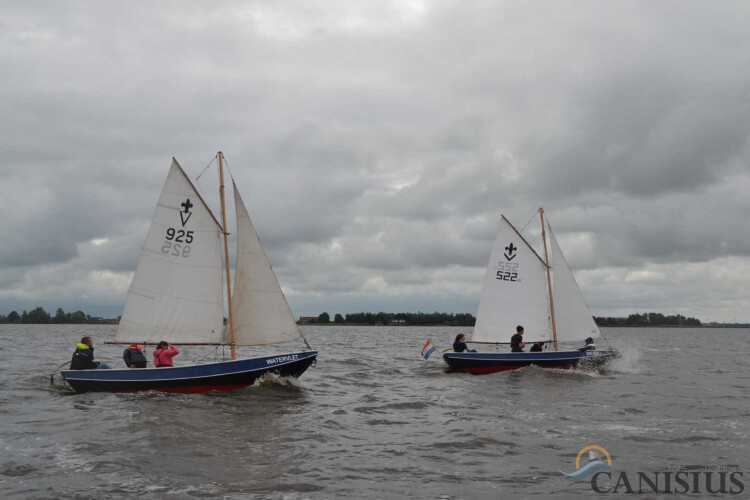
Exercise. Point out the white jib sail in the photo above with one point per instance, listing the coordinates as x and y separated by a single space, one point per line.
572 315
261 312
514 292
176 292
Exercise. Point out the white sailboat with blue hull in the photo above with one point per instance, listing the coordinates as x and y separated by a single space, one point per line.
177 296
522 288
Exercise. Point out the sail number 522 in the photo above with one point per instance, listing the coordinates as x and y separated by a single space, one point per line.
507 271
177 243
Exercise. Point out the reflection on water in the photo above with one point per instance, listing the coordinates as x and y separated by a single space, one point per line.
372 420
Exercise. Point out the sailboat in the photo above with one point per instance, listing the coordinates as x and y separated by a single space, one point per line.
177 296
522 288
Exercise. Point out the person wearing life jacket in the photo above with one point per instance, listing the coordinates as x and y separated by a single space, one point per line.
134 357
164 353
83 356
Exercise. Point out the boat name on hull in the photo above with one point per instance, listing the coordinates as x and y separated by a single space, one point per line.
282 359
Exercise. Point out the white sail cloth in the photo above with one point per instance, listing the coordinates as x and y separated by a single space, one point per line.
176 292
514 291
261 312
573 318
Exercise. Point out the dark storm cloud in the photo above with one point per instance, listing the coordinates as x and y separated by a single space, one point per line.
376 145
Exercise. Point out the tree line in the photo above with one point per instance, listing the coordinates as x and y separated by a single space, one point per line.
406 319
465 319
39 316
648 319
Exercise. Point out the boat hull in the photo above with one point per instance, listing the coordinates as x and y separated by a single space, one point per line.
479 363
221 376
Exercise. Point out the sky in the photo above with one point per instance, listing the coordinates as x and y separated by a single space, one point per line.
377 143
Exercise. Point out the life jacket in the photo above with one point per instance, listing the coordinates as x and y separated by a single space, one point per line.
133 355
83 358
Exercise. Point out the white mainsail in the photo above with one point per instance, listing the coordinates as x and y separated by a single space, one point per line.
514 292
176 292
573 318
261 312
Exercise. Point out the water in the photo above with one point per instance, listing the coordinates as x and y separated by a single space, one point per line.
372 420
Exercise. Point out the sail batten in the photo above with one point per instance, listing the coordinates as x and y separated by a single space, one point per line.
261 312
176 291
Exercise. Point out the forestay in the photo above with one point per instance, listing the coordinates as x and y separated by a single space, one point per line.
514 292
261 312
573 318
176 292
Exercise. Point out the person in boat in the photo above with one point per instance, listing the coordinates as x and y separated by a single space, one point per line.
134 357
589 345
83 356
516 341
459 345
537 347
164 353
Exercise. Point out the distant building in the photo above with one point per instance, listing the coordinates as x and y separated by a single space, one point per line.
398 322
306 320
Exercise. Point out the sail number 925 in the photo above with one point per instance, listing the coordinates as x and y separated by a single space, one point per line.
177 242
507 271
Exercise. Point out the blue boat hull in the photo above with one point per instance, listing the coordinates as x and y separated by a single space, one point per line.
221 376
480 363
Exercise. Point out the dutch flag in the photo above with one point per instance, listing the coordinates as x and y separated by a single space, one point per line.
428 349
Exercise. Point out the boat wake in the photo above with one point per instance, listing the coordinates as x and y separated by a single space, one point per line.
575 373
275 380
629 361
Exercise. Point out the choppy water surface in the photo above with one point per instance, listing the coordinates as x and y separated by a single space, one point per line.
372 420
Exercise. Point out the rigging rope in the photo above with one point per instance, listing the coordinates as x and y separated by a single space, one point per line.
605 338
215 350
226 163
529 222
304 339
207 166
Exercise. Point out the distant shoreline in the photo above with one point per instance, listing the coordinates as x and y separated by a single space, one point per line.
601 326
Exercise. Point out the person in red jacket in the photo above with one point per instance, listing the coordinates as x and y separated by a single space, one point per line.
164 353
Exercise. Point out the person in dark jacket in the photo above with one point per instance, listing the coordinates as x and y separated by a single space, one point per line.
83 356
460 344
590 346
516 341
537 347
134 357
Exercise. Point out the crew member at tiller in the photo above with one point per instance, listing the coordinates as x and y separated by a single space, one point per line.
516 341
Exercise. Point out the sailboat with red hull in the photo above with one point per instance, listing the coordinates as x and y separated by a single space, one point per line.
177 296
522 288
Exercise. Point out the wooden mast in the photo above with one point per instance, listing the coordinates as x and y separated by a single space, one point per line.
232 338
549 282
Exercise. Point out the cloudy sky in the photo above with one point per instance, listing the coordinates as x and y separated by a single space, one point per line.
377 143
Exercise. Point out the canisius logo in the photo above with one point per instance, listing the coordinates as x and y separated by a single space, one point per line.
711 479
599 460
